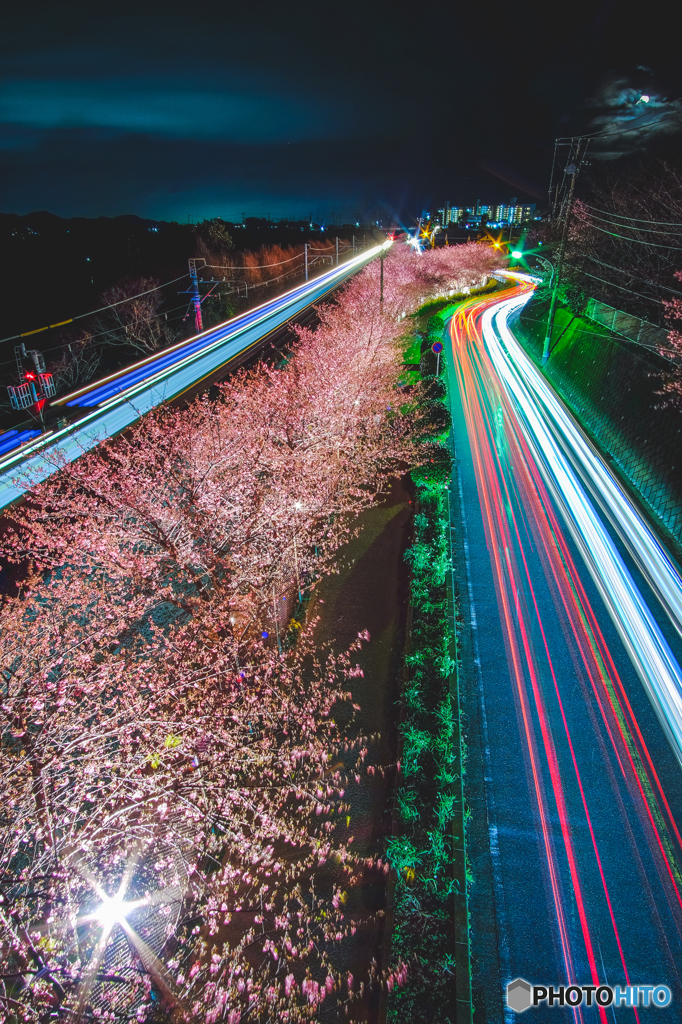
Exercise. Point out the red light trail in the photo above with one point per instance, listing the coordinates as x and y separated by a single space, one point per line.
519 516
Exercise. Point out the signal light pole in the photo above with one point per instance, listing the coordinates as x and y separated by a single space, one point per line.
196 295
35 387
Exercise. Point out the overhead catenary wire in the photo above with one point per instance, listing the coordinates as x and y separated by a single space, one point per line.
148 291
265 266
92 312
255 266
133 323
131 298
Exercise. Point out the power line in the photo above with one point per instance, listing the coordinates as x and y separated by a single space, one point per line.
639 241
619 270
642 220
633 227
622 288
80 316
567 140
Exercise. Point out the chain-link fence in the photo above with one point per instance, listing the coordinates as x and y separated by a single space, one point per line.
631 327
611 386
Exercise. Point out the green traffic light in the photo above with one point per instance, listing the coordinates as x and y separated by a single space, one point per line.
517 254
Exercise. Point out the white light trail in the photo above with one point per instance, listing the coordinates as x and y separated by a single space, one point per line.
39 459
543 419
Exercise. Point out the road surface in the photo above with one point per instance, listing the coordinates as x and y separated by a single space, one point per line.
574 694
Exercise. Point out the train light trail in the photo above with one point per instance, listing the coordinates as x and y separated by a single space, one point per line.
119 400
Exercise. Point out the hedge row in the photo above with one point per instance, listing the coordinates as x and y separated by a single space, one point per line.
421 851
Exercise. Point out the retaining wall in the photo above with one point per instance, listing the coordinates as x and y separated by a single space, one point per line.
610 384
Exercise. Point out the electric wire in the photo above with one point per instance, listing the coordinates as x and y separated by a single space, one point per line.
633 227
568 139
266 266
92 312
156 288
619 270
612 284
166 313
638 241
110 330
664 223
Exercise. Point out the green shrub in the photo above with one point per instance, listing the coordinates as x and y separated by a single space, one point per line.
422 854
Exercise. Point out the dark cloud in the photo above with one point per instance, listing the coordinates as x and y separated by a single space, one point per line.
162 109
630 115
170 106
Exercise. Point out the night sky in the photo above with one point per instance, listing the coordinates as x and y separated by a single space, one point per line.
358 110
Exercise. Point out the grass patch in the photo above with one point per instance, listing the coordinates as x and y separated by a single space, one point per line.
421 850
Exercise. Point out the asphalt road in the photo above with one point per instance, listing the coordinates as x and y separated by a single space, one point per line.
574 780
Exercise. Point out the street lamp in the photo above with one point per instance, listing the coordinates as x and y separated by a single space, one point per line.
518 254
537 256
112 911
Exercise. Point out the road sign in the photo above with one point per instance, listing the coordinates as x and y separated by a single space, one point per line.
437 347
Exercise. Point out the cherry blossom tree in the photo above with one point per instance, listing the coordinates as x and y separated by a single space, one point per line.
458 268
174 827
671 388
194 803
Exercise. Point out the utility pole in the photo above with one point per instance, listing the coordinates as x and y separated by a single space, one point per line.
560 255
306 260
381 292
196 295
337 250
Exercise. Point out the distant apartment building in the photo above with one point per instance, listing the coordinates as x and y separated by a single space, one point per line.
501 214
513 213
459 214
